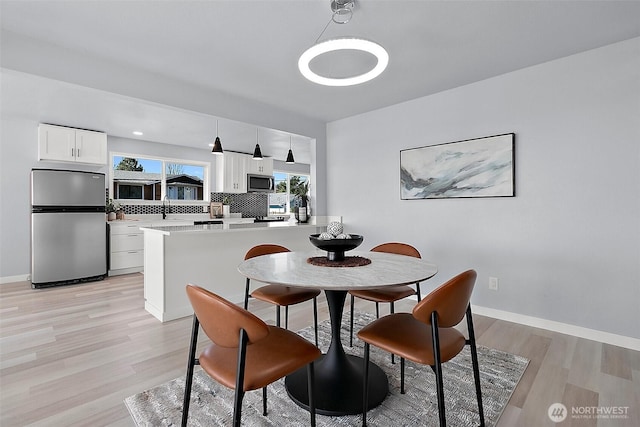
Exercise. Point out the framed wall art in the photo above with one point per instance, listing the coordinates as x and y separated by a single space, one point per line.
480 167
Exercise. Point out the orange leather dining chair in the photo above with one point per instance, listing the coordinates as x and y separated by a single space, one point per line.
388 294
246 353
281 296
428 336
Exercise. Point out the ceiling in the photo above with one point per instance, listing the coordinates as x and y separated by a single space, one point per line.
249 49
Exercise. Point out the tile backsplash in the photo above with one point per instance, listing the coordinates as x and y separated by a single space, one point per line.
250 205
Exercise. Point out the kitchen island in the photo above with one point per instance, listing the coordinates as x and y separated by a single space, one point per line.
208 256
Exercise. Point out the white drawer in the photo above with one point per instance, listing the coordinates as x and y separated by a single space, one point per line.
128 228
127 259
127 242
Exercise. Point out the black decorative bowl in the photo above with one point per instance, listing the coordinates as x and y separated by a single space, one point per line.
336 247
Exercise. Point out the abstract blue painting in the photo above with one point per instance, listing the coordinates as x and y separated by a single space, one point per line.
480 167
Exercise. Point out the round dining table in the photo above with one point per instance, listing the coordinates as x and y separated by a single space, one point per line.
338 376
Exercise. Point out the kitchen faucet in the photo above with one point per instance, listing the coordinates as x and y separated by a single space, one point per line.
164 208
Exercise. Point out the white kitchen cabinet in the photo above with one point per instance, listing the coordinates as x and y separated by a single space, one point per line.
126 247
261 167
59 143
231 172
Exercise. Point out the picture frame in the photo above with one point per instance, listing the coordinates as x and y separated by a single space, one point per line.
215 210
472 168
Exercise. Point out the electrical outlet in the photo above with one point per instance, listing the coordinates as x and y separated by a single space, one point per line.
493 283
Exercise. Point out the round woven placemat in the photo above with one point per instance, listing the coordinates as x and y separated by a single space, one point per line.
349 261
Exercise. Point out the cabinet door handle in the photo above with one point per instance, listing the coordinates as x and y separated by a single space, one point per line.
73 152
132 235
132 252
78 152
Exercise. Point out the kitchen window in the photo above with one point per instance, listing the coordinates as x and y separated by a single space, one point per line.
141 178
287 185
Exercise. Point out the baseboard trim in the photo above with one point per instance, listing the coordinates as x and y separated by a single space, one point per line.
563 328
18 278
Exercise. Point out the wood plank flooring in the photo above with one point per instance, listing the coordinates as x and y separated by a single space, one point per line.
70 355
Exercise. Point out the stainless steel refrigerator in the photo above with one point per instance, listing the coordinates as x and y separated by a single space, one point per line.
68 227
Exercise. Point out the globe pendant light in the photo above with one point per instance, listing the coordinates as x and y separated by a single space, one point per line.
217 145
257 154
290 159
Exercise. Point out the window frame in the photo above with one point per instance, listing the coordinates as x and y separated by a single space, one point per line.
288 193
206 191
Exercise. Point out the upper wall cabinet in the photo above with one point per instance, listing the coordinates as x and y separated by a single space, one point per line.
58 143
261 167
231 172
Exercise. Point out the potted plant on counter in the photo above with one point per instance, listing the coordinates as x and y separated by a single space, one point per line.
111 208
226 206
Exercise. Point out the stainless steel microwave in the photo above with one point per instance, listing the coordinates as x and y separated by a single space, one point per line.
260 183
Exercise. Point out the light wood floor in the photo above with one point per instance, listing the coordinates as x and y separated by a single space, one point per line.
70 355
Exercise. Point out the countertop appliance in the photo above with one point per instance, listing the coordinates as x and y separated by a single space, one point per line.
68 227
260 183
268 218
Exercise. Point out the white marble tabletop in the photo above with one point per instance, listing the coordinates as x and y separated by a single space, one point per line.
292 269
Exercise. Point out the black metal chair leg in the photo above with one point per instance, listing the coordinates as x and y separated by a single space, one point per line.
392 310
474 362
437 368
246 294
351 324
311 391
190 365
278 316
377 310
239 394
286 317
418 291
315 317
402 375
365 385
264 401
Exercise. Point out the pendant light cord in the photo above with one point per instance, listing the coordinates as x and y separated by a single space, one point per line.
325 29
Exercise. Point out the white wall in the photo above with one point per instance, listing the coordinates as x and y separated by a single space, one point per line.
567 247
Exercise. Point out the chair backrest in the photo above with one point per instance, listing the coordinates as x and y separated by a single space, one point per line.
450 300
265 249
222 320
397 248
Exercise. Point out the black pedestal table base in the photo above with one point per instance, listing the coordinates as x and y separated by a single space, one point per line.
338 376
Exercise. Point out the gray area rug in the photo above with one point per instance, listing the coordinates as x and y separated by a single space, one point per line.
212 404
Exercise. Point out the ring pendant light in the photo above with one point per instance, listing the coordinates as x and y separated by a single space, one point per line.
343 43
342 13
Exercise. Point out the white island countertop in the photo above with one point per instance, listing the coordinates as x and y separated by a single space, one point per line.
168 230
208 256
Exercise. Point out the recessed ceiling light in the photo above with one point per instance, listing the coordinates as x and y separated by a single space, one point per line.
343 44
137 133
